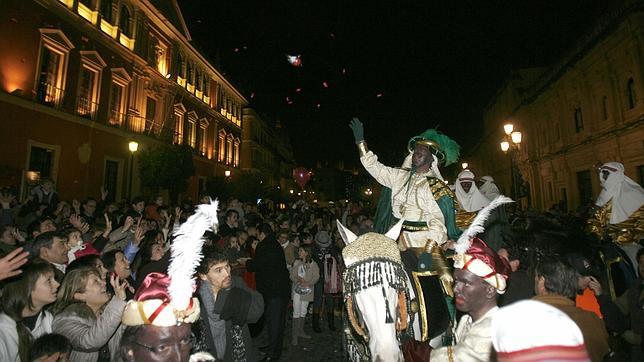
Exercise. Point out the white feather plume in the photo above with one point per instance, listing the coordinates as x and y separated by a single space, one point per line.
186 253
465 240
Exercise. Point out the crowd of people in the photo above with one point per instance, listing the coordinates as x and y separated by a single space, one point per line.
69 268
76 275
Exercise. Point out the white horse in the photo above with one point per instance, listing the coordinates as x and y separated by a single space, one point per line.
376 295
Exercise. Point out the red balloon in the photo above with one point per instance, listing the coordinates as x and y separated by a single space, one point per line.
301 176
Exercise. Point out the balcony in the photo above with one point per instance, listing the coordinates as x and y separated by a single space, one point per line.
49 95
86 108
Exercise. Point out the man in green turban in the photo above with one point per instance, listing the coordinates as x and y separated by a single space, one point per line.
417 193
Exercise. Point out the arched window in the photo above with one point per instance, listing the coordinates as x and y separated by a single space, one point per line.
632 97
124 21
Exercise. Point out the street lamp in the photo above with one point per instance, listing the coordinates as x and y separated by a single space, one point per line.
512 142
464 165
133 146
227 173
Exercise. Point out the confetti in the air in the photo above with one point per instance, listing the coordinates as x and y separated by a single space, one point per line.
325 84
288 100
379 95
252 95
298 90
295 60
344 71
318 105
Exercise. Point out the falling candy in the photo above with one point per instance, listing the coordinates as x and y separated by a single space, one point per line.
295 60
298 90
325 84
379 95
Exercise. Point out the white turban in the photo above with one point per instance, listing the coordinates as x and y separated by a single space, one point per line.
489 188
626 195
472 200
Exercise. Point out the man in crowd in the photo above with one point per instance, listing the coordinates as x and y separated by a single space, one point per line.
480 275
290 249
231 223
52 247
556 284
227 305
273 282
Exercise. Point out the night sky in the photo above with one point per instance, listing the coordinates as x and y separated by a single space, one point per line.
400 66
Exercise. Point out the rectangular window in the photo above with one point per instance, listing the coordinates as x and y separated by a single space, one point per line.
229 150
86 93
117 115
221 149
192 132
178 128
579 120
41 160
202 142
49 87
584 186
150 113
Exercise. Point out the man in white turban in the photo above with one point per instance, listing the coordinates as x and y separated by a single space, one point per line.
470 199
488 188
620 209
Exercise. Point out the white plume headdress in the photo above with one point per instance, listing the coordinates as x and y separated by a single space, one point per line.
166 300
465 240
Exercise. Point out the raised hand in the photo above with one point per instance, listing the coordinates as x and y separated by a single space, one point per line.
118 286
76 221
104 193
108 226
358 130
6 199
129 221
10 264
76 205
139 234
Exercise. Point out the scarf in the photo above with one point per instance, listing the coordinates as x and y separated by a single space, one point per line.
218 328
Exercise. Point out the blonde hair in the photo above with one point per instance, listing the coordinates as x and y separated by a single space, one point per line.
74 282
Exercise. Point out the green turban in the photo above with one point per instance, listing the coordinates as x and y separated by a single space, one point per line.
443 147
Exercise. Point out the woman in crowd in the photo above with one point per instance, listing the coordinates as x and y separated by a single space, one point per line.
116 264
89 316
23 318
151 250
304 274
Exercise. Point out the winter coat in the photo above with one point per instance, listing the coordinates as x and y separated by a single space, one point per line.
269 265
9 334
238 305
312 275
88 335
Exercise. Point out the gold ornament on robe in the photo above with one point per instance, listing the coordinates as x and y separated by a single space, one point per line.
625 232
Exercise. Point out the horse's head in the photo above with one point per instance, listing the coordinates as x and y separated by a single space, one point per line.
374 285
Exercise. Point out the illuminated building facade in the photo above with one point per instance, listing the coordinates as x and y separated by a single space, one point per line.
585 110
80 79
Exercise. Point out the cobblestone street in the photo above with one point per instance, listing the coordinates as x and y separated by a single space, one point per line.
324 346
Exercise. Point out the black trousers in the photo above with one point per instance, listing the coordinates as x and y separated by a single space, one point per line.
275 319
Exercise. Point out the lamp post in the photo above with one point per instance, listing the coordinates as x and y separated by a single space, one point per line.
510 143
133 146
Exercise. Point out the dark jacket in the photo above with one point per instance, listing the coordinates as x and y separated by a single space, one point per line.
592 328
237 306
269 265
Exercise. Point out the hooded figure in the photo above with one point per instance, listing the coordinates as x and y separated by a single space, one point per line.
620 207
467 194
489 188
